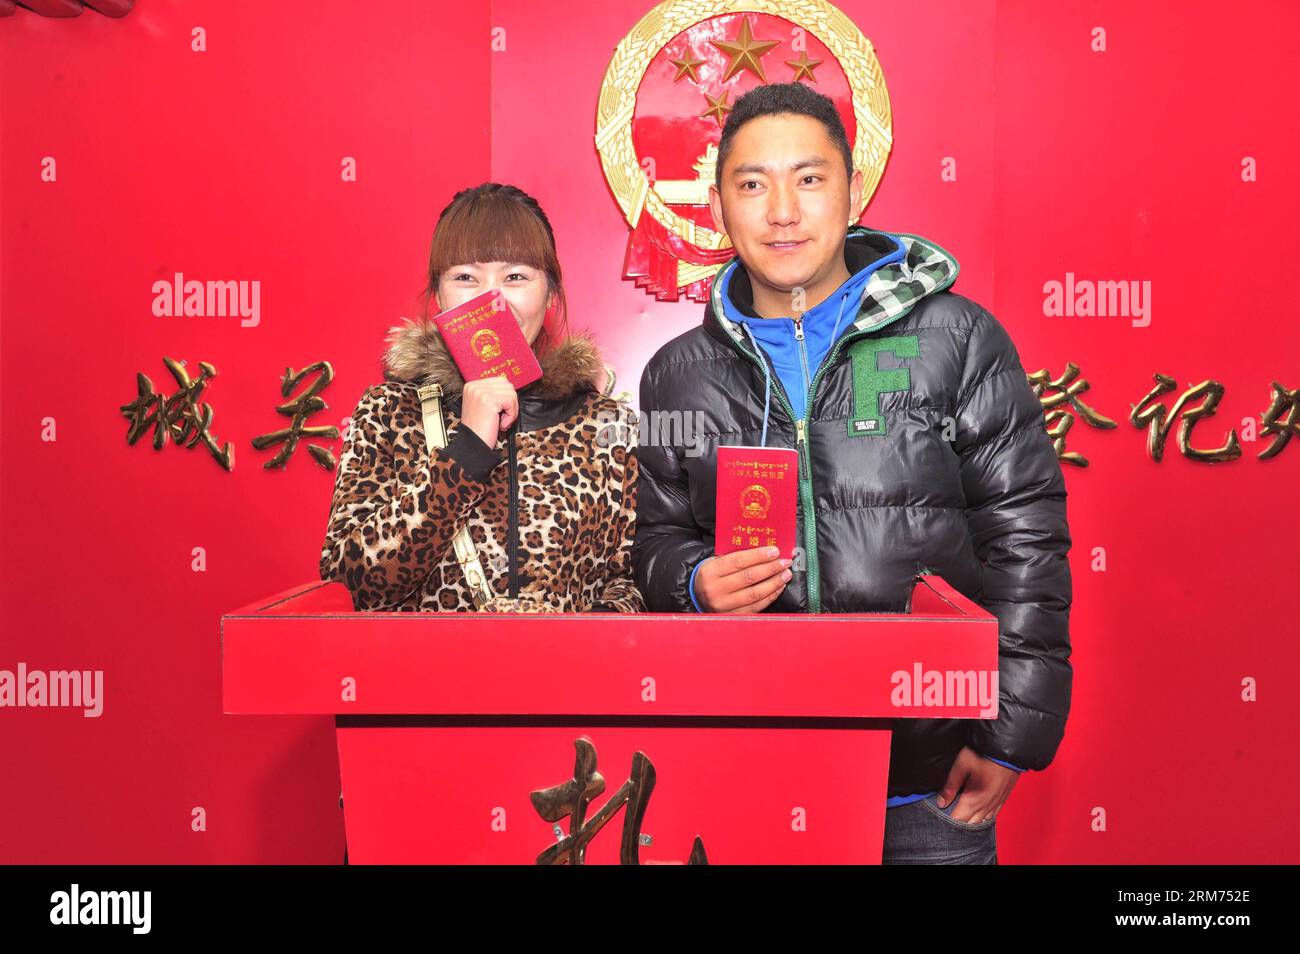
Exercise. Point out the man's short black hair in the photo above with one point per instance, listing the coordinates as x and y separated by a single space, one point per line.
774 99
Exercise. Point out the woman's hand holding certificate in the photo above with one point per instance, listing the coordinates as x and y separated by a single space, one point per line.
489 406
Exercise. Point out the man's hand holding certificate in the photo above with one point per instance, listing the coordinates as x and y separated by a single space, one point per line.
754 530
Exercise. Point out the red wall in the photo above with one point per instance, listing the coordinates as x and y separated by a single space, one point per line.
226 165
221 165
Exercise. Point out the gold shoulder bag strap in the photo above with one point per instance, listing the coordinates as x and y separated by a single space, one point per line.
435 435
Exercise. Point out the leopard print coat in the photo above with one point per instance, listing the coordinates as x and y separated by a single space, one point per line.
396 506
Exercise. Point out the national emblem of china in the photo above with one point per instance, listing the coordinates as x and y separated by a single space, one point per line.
666 95
485 344
755 501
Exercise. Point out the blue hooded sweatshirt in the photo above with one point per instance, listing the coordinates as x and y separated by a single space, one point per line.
797 359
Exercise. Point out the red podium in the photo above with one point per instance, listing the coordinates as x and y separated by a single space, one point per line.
650 738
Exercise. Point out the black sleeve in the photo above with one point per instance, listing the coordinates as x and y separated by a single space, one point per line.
1015 496
466 448
668 540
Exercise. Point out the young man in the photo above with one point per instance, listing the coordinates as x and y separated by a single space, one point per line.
921 448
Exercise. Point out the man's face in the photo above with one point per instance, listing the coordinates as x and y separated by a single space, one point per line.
785 202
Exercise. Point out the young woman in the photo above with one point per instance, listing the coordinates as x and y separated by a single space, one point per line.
523 501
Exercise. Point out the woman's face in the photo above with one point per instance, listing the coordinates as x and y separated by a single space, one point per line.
524 288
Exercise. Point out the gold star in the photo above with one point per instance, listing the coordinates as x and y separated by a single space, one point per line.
745 52
686 65
803 67
717 106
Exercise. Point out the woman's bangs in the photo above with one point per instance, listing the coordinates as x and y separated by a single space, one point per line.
495 232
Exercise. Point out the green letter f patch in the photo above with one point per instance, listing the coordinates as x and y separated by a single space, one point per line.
870 382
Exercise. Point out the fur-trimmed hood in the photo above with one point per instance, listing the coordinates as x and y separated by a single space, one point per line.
417 353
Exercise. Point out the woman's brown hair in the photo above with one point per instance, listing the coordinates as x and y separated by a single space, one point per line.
493 222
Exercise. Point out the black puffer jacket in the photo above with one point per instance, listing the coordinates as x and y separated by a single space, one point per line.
953 472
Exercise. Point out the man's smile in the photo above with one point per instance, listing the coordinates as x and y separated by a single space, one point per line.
786 246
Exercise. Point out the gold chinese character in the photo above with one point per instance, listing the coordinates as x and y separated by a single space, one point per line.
182 417
298 410
1059 420
1283 400
1159 420
569 799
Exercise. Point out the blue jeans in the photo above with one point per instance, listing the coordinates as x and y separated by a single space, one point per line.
922 833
